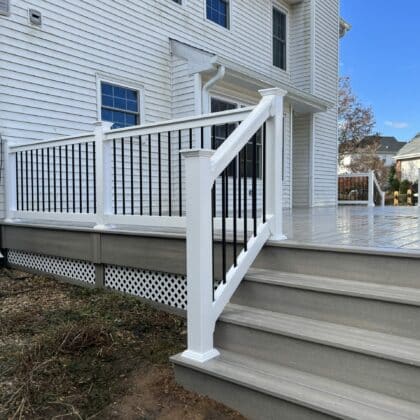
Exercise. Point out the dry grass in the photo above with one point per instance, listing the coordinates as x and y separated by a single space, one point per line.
76 353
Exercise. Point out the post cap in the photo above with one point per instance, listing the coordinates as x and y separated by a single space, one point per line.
192 153
273 92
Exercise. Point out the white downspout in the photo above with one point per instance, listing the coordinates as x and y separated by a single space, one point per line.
205 98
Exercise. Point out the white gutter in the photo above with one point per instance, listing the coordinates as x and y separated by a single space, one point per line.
205 97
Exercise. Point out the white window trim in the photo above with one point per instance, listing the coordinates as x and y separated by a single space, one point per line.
216 25
282 9
125 83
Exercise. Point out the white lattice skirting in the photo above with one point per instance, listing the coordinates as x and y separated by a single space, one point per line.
82 271
169 289
165 288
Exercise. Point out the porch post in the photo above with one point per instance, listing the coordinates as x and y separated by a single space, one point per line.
103 175
371 192
199 255
10 182
274 159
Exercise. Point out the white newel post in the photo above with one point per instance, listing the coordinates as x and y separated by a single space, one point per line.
371 192
199 255
9 183
274 159
103 175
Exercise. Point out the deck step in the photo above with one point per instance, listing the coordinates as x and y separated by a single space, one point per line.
264 390
377 307
380 362
387 293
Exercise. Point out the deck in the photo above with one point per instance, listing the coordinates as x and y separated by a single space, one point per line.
379 228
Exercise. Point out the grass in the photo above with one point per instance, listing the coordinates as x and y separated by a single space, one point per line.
72 352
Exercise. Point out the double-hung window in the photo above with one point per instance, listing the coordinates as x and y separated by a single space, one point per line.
119 105
279 39
218 12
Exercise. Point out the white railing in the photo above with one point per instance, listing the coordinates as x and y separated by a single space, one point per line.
359 189
129 176
203 167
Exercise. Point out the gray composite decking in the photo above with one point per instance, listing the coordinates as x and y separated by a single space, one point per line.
389 228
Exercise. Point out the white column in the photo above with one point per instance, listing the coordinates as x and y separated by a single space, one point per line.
274 159
199 255
103 175
371 192
9 183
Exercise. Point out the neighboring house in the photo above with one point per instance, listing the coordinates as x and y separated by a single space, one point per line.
64 66
386 149
408 160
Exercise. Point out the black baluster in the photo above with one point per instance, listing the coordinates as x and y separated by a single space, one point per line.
73 178
131 176
43 180
224 226
245 199
114 152
264 163
180 172
32 181
87 177
17 182
191 138
37 179
214 196
66 160
123 174
61 177
160 173
227 177
254 183
27 182
235 227
80 179
94 176
49 179
54 180
169 174
150 174
141 175
202 137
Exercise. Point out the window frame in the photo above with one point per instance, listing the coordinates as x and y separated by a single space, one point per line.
285 12
229 16
123 83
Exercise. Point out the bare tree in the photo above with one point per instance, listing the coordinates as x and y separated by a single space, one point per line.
356 121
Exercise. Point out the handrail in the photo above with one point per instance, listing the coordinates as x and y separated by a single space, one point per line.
378 187
207 298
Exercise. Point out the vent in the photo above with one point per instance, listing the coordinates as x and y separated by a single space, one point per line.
35 17
4 7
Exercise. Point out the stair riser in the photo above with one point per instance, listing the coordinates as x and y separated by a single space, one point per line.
383 269
380 375
253 404
387 317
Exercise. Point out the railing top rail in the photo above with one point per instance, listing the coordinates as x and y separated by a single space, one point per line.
217 118
69 140
207 120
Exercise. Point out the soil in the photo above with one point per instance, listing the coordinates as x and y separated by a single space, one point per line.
68 352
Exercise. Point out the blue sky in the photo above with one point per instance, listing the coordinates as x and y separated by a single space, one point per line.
381 54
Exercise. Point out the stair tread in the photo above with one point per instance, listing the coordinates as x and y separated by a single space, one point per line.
386 346
312 391
406 295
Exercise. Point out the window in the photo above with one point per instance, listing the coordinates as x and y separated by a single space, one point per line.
119 105
221 132
279 39
218 12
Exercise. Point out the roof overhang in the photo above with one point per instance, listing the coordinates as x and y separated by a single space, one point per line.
205 63
407 157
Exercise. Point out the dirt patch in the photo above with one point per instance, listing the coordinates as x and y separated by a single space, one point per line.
77 353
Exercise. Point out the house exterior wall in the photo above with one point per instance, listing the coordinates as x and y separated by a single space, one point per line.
409 169
49 74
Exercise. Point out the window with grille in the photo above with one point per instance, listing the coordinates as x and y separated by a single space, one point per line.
279 39
4 7
120 105
218 12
